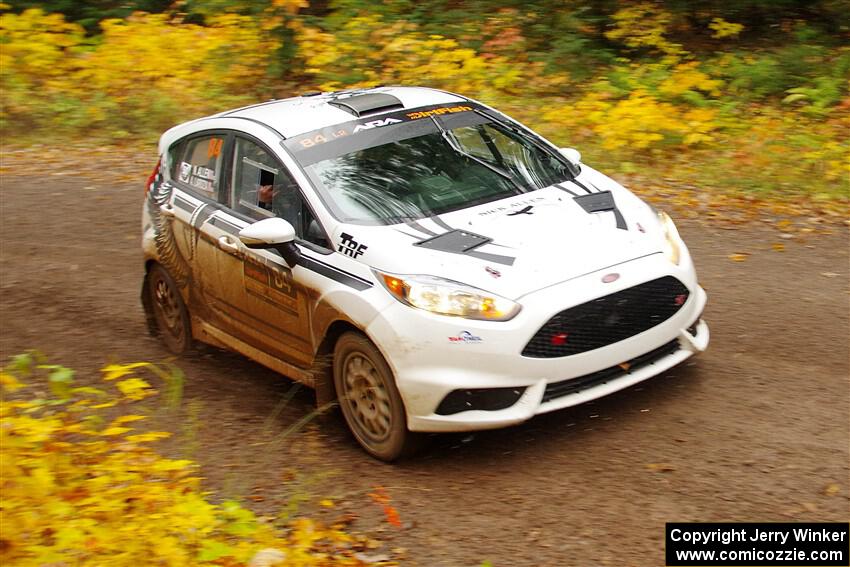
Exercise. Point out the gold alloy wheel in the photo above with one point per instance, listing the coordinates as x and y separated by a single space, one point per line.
168 307
169 311
367 397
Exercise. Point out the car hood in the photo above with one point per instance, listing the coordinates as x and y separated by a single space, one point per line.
517 245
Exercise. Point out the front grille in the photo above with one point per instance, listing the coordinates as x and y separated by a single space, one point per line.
576 385
609 319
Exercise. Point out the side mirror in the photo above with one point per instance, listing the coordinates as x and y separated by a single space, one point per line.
274 233
571 154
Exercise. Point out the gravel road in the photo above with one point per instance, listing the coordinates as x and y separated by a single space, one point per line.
755 429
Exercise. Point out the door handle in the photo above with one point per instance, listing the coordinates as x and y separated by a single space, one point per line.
229 246
167 211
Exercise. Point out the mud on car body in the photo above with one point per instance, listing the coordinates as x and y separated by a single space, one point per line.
417 255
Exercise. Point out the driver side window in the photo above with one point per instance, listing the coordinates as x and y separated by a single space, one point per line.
262 188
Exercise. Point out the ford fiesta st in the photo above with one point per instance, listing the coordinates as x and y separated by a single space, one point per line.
418 256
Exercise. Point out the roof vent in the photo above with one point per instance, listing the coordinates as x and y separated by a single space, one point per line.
366 104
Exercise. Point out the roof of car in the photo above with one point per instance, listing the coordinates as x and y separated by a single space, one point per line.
297 115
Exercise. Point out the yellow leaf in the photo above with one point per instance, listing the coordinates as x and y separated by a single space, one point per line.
9 382
172 465
327 503
661 467
135 388
88 390
722 28
126 419
778 247
114 371
739 256
148 437
111 431
832 489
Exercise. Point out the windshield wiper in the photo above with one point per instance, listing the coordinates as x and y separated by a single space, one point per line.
571 167
455 145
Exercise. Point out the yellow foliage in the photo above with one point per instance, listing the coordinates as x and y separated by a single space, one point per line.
640 121
643 25
290 6
36 42
148 72
722 28
148 53
688 77
141 67
371 51
35 58
76 493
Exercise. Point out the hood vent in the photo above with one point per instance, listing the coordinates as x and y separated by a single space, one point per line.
367 104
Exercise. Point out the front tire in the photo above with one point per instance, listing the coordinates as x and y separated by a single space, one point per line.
369 399
169 310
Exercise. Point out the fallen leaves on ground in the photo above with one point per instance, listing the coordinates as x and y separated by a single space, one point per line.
661 467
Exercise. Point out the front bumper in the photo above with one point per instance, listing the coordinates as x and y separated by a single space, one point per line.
433 355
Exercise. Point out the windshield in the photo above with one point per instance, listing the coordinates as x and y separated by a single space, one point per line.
394 172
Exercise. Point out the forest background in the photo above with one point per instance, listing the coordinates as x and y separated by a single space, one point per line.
702 103
750 97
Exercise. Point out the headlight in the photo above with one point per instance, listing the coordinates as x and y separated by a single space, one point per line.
671 236
449 298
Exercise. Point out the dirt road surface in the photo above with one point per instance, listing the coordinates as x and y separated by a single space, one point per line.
755 429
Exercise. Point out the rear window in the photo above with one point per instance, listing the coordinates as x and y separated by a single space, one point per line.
199 163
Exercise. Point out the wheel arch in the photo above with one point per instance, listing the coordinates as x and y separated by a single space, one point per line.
323 362
153 330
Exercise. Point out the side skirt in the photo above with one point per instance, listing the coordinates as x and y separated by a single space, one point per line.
212 335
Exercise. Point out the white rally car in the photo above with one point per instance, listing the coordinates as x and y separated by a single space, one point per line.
423 259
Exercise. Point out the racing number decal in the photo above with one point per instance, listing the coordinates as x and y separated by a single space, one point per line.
272 284
214 147
321 139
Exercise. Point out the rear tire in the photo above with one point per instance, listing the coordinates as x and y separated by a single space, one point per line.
370 401
169 310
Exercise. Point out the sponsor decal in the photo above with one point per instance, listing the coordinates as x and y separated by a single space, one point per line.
375 124
272 284
437 112
204 172
612 277
525 203
525 211
185 171
351 247
493 272
324 135
197 176
465 337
